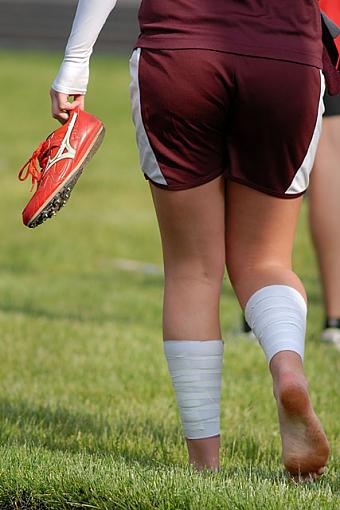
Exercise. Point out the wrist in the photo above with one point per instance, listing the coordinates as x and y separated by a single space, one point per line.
72 78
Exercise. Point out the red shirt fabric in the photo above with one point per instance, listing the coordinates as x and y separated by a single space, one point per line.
332 9
278 29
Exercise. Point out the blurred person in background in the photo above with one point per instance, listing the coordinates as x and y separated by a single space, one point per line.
227 104
324 203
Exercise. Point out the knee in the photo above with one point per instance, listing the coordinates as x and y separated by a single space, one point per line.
241 270
247 278
198 271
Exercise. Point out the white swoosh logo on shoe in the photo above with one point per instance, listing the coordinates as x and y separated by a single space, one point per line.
65 151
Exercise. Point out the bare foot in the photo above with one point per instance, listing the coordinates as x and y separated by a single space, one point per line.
305 448
204 453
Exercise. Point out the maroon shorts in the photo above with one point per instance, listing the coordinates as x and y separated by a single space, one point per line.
200 114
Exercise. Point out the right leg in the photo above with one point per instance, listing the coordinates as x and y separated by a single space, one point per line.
272 149
259 237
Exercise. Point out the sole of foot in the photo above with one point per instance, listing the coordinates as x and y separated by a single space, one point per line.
305 449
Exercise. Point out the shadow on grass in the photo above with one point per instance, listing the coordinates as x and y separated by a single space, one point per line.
60 429
146 443
132 438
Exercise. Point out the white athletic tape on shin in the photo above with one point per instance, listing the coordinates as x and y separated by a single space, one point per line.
277 315
196 371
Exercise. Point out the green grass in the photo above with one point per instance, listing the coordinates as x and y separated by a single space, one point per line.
88 416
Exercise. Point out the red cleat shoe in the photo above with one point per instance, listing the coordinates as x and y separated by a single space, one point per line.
62 158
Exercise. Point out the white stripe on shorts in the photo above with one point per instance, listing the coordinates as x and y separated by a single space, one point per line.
148 160
301 179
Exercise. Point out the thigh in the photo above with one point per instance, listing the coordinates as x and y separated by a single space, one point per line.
260 232
276 125
192 229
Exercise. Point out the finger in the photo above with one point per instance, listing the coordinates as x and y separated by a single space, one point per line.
64 104
61 104
58 100
67 106
62 117
79 102
58 113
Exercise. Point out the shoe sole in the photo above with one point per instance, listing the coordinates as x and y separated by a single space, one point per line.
62 194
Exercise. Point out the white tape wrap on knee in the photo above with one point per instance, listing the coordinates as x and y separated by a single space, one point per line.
196 371
277 315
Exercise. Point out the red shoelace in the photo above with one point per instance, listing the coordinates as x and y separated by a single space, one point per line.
30 168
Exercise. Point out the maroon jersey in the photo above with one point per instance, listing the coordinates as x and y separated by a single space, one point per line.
278 29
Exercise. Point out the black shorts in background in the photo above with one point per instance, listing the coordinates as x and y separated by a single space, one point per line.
332 105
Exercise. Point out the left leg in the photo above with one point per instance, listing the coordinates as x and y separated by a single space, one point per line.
191 224
180 103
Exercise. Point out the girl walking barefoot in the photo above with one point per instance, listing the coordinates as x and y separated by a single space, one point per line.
227 104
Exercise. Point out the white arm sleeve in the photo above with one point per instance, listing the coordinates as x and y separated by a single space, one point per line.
90 17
